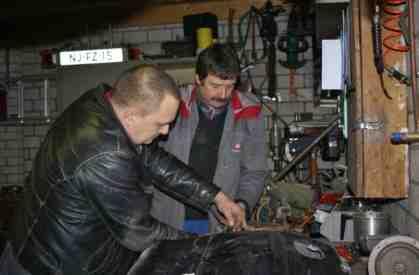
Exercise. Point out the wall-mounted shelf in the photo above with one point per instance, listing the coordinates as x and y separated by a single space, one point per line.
27 121
19 84
28 78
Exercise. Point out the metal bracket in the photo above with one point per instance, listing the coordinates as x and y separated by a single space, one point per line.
368 125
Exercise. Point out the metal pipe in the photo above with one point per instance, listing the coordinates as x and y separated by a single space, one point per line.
20 100
22 103
307 150
275 143
46 111
415 96
7 64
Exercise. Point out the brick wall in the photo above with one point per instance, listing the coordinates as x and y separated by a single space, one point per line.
19 143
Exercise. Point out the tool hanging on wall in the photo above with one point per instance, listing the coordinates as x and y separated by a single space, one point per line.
294 42
260 20
252 20
268 33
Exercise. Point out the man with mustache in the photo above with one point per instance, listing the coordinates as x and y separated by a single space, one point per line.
219 132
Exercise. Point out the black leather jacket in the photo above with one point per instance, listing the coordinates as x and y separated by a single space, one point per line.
86 205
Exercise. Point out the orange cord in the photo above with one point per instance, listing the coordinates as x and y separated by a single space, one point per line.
391 23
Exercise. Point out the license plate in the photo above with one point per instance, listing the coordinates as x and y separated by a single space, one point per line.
96 56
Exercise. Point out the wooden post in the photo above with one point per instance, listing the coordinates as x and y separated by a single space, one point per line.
378 169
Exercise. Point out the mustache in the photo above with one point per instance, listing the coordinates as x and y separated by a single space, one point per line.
220 100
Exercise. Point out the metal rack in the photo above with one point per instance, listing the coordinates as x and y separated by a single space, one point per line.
19 84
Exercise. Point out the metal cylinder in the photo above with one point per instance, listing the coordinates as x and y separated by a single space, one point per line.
369 228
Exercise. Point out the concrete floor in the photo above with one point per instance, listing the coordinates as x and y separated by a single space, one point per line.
360 267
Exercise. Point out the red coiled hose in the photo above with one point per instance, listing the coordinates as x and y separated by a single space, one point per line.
393 10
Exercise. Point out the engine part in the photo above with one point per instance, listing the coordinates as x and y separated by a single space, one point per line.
275 142
370 227
396 255
307 150
331 146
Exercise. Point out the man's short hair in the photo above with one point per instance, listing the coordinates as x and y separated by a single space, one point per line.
144 86
219 60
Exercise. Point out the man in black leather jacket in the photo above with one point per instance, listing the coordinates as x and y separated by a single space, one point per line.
86 205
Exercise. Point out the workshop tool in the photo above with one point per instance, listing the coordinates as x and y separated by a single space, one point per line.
294 42
269 33
252 19
396 255
275 143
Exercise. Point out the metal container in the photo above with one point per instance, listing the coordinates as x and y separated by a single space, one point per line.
370 227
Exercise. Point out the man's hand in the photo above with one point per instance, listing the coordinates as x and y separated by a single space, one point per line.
235 216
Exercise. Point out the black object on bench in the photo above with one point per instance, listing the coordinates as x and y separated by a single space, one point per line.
247 253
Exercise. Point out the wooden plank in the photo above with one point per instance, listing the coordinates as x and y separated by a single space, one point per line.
173 13
384 166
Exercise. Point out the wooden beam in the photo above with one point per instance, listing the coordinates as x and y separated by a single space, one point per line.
380 167
163 14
